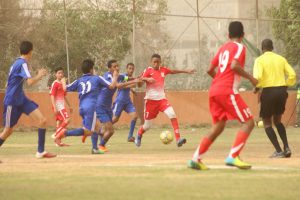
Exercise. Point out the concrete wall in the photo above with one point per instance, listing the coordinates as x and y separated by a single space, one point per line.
191 108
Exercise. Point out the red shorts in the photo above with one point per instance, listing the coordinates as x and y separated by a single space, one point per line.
62 115
153 107
229 107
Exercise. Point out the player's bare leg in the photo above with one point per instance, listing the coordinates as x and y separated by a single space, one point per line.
37 116
109 131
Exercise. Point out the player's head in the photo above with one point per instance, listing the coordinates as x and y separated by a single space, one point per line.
59 73
130 69
26 48
155 60
87 66
236 30
112 65
267 45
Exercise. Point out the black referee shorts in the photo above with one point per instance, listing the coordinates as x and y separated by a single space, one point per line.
272 101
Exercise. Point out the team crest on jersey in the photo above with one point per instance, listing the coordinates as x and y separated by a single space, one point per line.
162 74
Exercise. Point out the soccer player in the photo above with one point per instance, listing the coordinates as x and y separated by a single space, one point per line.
104 104
155 99
58 99
274 75
16 103
88 87
224 100
124 103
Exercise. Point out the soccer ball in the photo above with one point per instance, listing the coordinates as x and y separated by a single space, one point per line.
166 137
260 124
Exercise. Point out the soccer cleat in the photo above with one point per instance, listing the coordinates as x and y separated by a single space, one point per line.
181 141
138 141
131 139
196 165
237 162
97 151
278 155
287 152
44 155
103 148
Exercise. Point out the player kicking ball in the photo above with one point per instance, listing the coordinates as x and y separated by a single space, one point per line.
225 102
58 100
155 99
124 103
88 87
16 103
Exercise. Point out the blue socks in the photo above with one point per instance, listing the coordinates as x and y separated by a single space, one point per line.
94 138
132 126
75 132
41 140
1 142
102 142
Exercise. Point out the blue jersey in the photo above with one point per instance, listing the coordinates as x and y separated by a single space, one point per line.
106 94
123 94
19 72
88 87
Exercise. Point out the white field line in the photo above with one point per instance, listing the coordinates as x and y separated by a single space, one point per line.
170 164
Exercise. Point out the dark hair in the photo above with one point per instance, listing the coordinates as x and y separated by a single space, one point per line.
156 56
128 64
110 62
267 45
58 69
236 29
25 47
87 65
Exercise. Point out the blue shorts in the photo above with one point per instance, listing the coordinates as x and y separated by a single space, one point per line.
88 118
12 113
119 106
104 114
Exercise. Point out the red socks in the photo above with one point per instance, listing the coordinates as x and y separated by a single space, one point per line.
175 128
238 144
61 126
202 148
141 131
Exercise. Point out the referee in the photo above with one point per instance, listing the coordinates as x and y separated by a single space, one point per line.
274 75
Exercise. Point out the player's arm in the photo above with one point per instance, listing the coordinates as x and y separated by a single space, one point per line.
257 74
211 70
52 97
235 66
188 71
128 83
38 77
291 75
133 91
64 83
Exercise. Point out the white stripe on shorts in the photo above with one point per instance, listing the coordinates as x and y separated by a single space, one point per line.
8 116
237 110
115 109
94 122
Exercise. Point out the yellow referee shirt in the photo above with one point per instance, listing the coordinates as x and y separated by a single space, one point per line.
272 70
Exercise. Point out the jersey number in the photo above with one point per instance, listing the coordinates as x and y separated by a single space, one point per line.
86 87
223 60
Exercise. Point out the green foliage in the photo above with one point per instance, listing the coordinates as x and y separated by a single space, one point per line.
288 31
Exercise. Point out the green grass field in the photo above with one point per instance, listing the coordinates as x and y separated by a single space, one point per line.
153 171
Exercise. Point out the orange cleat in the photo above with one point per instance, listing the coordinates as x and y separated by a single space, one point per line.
103 148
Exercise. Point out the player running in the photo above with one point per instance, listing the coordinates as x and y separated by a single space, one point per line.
225 102
104 105
58 100
124 103
88 87
155 99
16 103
